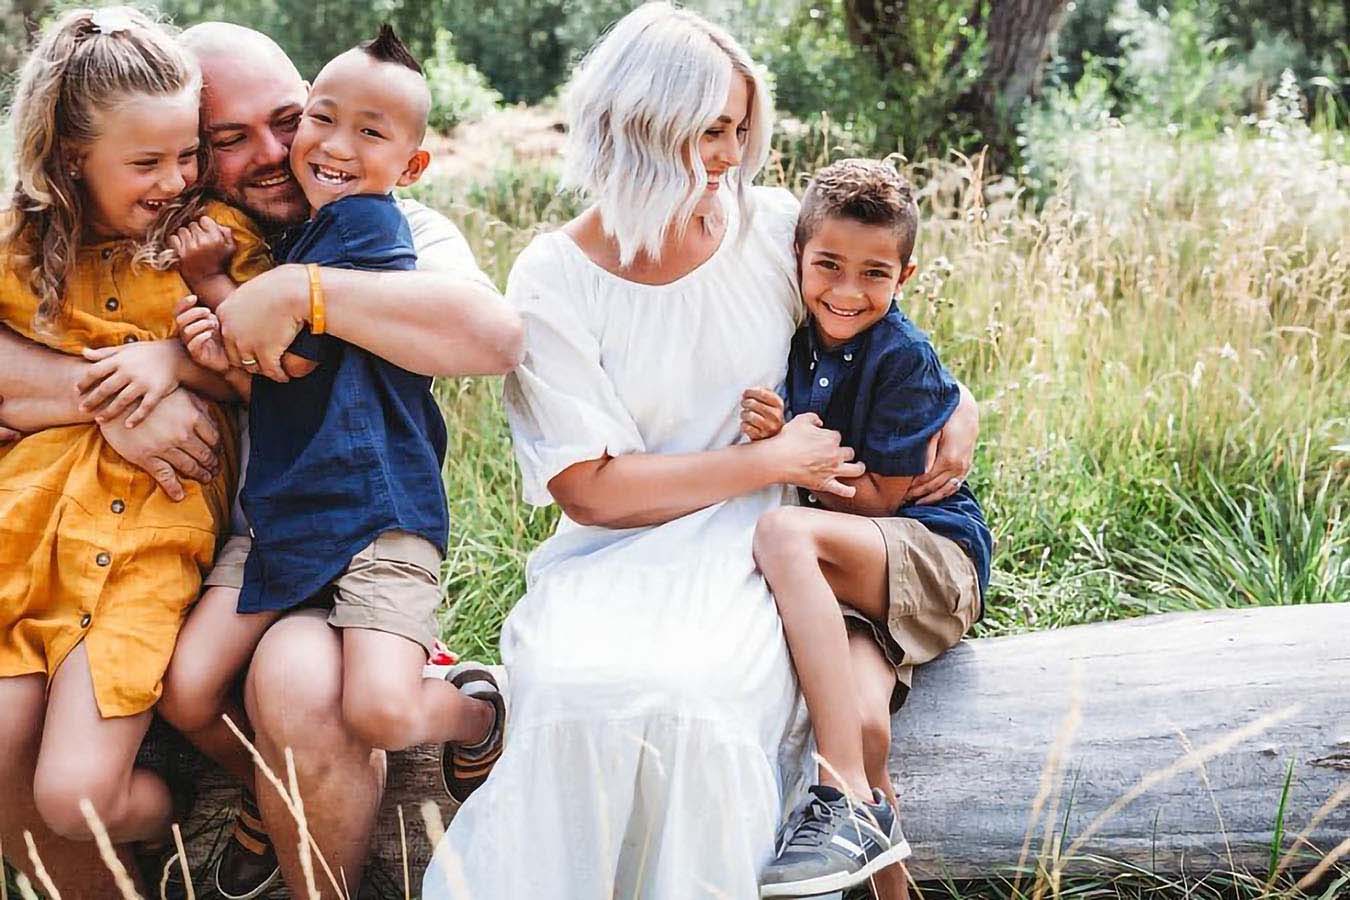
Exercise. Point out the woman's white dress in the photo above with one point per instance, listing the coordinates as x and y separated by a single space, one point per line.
650 688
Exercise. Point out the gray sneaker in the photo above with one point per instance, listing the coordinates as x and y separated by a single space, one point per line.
833 844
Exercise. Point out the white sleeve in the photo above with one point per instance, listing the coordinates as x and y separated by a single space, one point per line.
775 223
561 405
439 244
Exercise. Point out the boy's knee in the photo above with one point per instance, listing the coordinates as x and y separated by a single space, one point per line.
876 739
781 534
381 719
188 702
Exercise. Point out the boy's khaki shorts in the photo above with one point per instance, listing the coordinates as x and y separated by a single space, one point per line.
934 599
393 585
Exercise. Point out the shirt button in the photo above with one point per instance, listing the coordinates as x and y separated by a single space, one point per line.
118 507
85 620
103 559
106 254
130 339
111 304
811 498
824 382
848 357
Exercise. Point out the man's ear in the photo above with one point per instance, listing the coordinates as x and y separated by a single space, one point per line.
906 273
417 164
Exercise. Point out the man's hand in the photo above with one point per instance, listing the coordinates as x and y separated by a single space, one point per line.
177 440
261 319
761 413
951 453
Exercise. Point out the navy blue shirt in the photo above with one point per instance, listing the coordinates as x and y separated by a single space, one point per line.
350 451
887 394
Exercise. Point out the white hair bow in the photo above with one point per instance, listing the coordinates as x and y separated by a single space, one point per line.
111 21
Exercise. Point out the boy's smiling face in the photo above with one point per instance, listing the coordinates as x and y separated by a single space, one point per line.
362 127
849 273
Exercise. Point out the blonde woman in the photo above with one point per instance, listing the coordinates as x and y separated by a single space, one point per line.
650 686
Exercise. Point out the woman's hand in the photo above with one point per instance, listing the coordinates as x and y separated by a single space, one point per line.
761 413
951 453
131 377
809 456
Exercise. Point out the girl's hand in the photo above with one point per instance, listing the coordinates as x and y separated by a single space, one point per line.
131 377
199 330
809 456
204 250
761 413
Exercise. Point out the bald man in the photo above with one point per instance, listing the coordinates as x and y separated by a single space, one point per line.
444 319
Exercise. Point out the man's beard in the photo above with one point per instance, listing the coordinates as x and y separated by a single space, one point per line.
277 210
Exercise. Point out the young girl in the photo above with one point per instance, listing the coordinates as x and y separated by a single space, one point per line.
97 567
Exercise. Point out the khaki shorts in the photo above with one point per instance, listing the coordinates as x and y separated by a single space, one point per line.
934 598
393 585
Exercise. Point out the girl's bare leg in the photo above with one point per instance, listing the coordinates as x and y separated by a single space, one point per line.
75 866
876 681
814 560
133 804
213 651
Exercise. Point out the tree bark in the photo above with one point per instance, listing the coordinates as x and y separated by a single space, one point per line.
1018 42
972 756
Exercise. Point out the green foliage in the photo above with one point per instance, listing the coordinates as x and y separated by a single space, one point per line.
897 91
459 92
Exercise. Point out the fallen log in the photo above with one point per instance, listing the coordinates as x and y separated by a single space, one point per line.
1162 742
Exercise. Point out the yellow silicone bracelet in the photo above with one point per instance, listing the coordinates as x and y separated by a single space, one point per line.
317 312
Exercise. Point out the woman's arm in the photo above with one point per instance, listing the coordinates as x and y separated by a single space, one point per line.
651 488
953 453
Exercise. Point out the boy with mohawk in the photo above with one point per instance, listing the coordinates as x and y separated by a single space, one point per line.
343 489
870 586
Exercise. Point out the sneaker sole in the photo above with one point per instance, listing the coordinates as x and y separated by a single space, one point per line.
256 892
837 881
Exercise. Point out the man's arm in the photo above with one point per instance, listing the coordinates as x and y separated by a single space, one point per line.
429 322
37 385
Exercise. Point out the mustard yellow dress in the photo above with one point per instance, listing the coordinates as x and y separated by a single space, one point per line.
90 548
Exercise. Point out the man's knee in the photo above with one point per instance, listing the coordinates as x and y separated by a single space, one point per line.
293 690
782 535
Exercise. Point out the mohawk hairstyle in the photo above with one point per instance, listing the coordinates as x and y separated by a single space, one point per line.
868 191
387 46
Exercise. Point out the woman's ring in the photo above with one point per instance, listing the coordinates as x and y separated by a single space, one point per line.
248 362
954 481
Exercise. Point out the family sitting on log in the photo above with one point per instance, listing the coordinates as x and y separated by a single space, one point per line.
221 463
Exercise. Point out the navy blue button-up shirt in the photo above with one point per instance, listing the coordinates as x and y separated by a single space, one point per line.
350 451
887 393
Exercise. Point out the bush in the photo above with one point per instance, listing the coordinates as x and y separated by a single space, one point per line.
459 92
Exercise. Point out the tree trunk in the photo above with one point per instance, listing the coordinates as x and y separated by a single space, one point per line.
1114 703
1018 42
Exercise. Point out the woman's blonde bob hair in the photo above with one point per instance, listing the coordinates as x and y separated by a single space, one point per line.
86 62
637 105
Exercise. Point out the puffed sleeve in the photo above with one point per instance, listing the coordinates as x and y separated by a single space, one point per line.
251 256
560 403
775 224
911 403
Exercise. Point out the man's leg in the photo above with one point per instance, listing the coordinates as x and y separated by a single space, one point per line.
75 866
875 677
213 650
293 695
814 560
